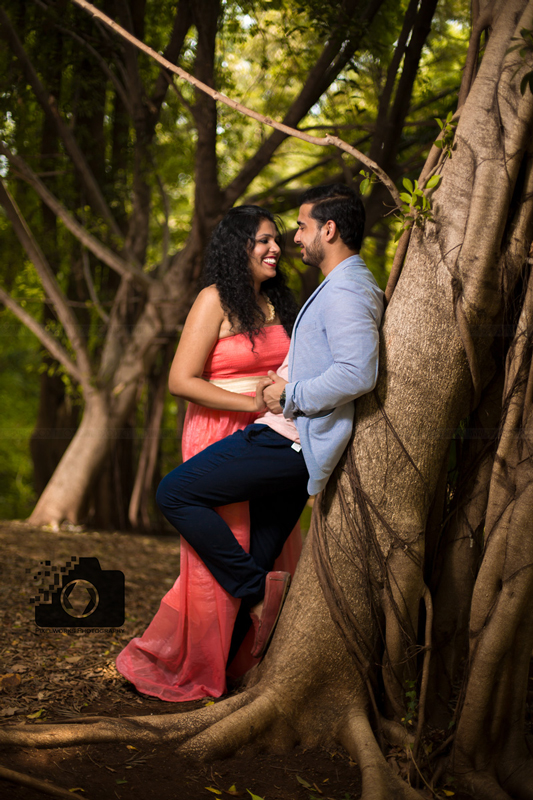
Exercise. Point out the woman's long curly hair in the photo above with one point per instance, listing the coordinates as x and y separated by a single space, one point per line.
226 266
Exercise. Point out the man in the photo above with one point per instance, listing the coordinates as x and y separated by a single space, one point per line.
333 359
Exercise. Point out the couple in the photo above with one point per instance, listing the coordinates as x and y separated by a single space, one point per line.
291 429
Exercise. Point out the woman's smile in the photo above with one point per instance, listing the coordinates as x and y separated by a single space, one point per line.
265 253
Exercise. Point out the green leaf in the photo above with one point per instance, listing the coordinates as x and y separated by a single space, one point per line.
408 184
36 714
433 181
405 197
363 188
439 143
304 783
254 796
211 789
439 122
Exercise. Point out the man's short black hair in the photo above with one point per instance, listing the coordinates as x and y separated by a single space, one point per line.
342 204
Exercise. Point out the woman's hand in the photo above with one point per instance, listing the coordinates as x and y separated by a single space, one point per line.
273 395
260 404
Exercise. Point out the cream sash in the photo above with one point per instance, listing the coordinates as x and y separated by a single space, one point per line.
238 385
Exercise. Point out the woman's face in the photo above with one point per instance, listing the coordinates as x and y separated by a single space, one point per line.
264 254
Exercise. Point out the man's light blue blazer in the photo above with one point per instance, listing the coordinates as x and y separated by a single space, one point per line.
333 358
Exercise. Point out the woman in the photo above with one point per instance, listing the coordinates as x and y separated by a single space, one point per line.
238 329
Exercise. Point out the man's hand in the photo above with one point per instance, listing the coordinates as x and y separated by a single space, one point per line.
272 393
260 404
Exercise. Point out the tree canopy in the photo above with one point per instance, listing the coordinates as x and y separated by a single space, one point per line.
95 133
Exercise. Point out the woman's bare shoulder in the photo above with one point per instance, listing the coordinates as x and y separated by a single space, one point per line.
210 296
208 302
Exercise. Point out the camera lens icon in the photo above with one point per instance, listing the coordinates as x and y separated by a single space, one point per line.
79 599
85 596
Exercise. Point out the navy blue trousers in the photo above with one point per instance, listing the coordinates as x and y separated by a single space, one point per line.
256 464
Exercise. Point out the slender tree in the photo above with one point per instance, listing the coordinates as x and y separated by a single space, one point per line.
148 302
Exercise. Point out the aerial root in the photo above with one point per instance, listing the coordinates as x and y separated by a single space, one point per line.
425 673
379 782
144 729
226 736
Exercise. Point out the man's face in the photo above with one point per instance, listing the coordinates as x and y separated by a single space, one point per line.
309 237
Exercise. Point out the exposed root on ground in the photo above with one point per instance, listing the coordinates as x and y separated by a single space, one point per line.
144 729
379 782
229 734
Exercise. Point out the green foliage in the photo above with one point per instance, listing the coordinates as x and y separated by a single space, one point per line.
411 701
19 393
416 206
445 143
369 179
265 50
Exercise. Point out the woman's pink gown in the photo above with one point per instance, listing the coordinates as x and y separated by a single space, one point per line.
182 654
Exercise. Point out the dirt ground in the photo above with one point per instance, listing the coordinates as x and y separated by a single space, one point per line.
56 676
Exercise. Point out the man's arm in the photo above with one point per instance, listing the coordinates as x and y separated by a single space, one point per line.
352 316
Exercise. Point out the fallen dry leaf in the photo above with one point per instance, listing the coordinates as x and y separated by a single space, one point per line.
9 681
9 712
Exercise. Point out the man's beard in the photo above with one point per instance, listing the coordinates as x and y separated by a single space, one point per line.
314 253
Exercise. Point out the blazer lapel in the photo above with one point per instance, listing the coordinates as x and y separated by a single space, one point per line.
307 304
336 272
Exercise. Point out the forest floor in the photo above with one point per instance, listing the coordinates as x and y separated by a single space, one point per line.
56 676
50 676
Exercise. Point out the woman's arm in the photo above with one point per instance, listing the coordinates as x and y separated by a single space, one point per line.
200 332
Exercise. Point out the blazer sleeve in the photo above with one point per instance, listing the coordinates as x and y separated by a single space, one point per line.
352 315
